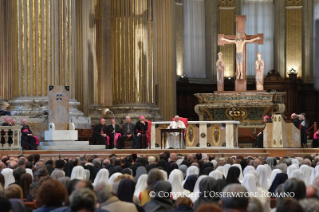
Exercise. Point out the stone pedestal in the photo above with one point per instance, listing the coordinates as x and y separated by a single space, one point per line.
65 140
35 110
151 113
281 134
246 107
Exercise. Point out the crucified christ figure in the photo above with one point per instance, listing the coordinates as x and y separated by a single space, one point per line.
240 41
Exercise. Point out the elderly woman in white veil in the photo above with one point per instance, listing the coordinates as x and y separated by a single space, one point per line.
176 180
250 182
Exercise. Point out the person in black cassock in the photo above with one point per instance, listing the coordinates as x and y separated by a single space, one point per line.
128 130
3 133
99 136
28 140
260 136
303 130
295 120
141 137
115 137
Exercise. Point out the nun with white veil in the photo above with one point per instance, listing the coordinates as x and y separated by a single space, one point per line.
78 172
263 176
140 185
295 161
102 176
29 171
226 166
113 177
269 170
308 173
195 194
250 183
273 175
192 170
248 169
216 175
241 171
297 174
222 170
8 177
176 180
291 168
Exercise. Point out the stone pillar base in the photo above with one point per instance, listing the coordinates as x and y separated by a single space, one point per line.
150 112
36 110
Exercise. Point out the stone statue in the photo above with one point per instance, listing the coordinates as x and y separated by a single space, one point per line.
259 67
220 72
240 42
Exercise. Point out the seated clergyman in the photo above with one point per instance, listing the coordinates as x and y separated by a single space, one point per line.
173 139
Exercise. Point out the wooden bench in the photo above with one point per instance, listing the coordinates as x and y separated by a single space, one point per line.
85 135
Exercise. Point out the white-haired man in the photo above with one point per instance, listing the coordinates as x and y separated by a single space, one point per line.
173 138
128 130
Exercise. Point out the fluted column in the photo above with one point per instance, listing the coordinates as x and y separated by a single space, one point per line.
132 59
43 51
5 53
165 56
227 27
294 36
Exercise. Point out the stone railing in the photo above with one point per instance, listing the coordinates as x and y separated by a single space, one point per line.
10 137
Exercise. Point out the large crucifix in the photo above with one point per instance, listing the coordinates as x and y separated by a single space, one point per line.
240 40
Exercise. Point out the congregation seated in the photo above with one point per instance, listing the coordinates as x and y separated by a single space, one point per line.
137 183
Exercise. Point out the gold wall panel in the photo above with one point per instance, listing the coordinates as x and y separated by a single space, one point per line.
43 46
226 22
294 38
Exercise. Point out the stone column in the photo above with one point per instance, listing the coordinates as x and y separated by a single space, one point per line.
5 53
179 19
307 37
294 36
280 37
133 90
165 56
227 27
43 54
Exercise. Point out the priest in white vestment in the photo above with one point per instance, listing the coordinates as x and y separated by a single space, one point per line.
173 139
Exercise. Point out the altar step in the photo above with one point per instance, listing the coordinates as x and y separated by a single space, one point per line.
69 145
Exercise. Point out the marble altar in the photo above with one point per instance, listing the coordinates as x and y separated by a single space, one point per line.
247 107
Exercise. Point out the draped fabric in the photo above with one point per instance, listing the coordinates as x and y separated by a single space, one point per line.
194 39
259 19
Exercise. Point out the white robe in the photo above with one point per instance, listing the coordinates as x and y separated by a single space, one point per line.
173 138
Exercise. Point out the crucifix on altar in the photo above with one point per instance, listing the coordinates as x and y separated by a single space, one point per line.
240 40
